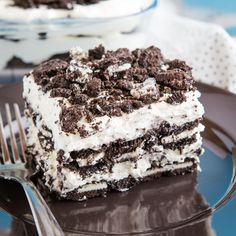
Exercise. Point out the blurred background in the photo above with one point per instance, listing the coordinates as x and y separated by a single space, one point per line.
214 11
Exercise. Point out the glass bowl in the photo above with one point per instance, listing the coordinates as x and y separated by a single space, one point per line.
25 44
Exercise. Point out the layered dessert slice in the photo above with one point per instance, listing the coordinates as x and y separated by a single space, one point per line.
106 120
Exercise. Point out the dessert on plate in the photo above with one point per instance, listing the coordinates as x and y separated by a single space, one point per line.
107 120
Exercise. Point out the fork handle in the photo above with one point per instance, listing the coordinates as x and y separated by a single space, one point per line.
45 222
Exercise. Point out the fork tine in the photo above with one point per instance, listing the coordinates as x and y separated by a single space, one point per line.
21 131
16 156
3 141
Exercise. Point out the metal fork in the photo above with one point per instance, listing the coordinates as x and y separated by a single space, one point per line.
12 167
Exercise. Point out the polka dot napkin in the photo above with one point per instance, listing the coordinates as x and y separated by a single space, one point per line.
206 47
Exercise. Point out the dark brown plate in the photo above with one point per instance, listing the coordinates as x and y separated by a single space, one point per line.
201 203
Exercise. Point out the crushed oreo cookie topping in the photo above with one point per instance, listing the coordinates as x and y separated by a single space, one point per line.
103 82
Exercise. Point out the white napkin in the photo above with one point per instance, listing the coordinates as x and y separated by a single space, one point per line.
206 47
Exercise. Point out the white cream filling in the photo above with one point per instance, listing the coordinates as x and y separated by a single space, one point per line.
103 9
118 68
182 135
168 168
147 87
128 126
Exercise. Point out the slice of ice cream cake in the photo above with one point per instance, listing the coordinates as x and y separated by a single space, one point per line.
106 120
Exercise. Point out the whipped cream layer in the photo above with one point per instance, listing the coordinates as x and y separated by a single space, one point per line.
127 127
102 9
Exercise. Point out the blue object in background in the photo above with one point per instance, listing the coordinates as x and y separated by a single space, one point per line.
216 9
228 6
231 30
223 221
211 183
5 220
